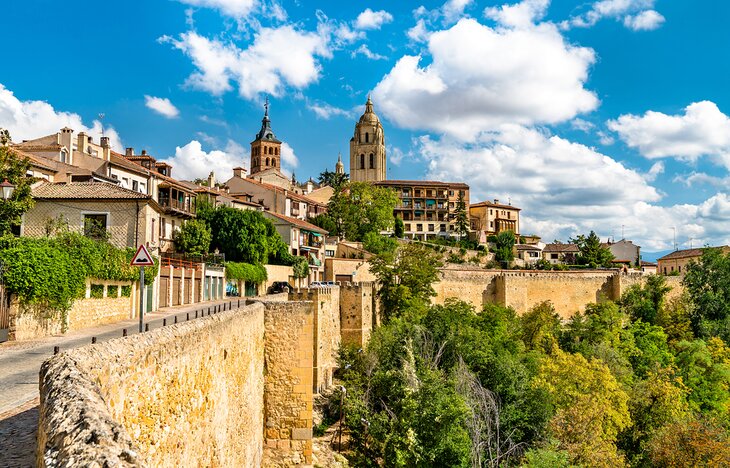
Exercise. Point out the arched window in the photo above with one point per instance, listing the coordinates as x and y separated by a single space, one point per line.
267 162
271 150
273 162
372 161
367 137
362 161
276 151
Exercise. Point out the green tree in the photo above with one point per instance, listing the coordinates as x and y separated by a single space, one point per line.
399 230
361 208
592 253
245 236
324 221
300 267
541 327
193 237
707 378
378 244
462 216
708 284
333 179
14 169
405 276
505 243
645 303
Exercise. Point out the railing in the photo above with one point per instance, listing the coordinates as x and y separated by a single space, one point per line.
191 261
177 205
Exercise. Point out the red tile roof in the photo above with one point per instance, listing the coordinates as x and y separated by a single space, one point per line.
297 222
86 191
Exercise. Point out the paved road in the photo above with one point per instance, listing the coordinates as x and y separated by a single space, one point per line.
20 363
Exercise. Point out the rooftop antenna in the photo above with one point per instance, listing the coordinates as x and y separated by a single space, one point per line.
622 232
674 230
101 121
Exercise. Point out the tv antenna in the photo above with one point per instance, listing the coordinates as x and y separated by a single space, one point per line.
101 121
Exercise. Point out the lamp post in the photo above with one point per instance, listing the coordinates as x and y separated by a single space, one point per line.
7 190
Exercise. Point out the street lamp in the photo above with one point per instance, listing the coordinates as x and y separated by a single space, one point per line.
8 189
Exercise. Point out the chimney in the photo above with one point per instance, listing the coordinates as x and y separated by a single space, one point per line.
105 142
106 149
496 201
239 172
68 178
129 152
144 152
211 180
83 143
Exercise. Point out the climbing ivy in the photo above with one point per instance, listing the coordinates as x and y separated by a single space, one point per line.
246 272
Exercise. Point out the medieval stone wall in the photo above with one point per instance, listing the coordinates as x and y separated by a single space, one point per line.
191 393
356 313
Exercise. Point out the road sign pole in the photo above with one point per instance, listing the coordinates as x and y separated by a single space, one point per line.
141 299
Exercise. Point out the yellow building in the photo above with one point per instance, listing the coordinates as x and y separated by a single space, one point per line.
676 262
492 218
367 148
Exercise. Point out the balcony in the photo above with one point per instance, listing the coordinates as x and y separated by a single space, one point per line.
179 207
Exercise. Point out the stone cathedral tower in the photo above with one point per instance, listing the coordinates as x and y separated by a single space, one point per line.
265 149
367 148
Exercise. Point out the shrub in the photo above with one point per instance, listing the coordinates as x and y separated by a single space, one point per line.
127 290
246 272
112 291
97 291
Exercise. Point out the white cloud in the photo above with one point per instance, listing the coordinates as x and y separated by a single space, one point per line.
365 51
278 58
637 15
656 169
234 8
701 178
645 21
26 120
419 32
453 10
370 19
565 188
289 160
582 125
703 130
326 111
523 14
191 161
162 106
481 77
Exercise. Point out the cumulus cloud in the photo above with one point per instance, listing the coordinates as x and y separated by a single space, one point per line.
162 106
191 161
523 14
365 51
234 8
370 19
453 10
26 120
278 58
637 15
482 77
289 160
703 130
326 111
566 188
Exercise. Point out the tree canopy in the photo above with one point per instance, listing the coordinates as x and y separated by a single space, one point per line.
14 169
193 237
361 208
592 253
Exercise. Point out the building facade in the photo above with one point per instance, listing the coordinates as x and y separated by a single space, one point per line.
367 148
427 208
677 261
493 217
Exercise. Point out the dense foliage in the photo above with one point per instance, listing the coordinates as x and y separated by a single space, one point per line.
246 272
359 208
193 237
622 384
504 247
333 179
461 213
53 271
14 169
708 283
592 253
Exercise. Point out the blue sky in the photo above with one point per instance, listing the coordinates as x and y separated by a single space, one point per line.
588 115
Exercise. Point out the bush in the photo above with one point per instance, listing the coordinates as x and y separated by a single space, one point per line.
127 291
454 258
246 272
112 291
97 291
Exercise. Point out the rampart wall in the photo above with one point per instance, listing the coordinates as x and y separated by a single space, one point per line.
191 392
356 313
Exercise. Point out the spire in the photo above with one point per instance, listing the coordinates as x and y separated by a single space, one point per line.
339 167
266 106
369 105
266 133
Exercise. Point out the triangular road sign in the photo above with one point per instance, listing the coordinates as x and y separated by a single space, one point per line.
142 257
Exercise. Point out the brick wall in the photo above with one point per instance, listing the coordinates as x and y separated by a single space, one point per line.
189 394
289 344
356 313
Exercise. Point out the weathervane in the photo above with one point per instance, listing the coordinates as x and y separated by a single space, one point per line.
101 121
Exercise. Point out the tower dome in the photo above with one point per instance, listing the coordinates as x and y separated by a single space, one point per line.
369 117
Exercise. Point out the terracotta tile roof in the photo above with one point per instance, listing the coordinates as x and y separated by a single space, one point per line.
120 160
36 161
527 247
86 191
561 248
690 253
289 193
496 205
423 183
297 222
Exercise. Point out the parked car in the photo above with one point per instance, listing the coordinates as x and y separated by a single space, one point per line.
317 284
280 287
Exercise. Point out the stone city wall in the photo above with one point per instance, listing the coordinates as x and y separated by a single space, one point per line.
327 336
356 313
30 321
289 351
569 291
190 393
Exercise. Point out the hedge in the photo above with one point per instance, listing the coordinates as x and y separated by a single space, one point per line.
246 272
53 271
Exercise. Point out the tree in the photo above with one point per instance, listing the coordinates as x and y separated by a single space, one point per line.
300 267
378 244
462 216
361 208
592 253
399 230
541 327
591 408
325 222
333 179
245 236
708 284
14 169
706 377
193 237
645 303
505 243
693 442
405 276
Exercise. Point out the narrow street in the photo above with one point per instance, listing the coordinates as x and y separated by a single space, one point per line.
20 363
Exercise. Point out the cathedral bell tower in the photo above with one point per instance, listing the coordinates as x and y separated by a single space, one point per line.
367 148
265 149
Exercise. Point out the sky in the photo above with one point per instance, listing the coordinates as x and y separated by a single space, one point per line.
609 115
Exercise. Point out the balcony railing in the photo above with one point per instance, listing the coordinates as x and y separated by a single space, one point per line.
177 205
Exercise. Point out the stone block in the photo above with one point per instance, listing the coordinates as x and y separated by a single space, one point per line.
301 433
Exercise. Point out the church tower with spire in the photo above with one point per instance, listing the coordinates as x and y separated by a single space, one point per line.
265 149
339 167
367 148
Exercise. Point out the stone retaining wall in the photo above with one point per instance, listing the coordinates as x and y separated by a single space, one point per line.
356 313
190 394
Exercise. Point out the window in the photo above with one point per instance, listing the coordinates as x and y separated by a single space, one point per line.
533 254
362 161
63 156
367 138
430 228
490 212
276 151
273 162
554 256
419 227
135 185
162 228
451 204
679 268
172 231
372 160
442 228
125 182
672 269
451 193
142 188
95 225
491 224
329 253
406 227
268 161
